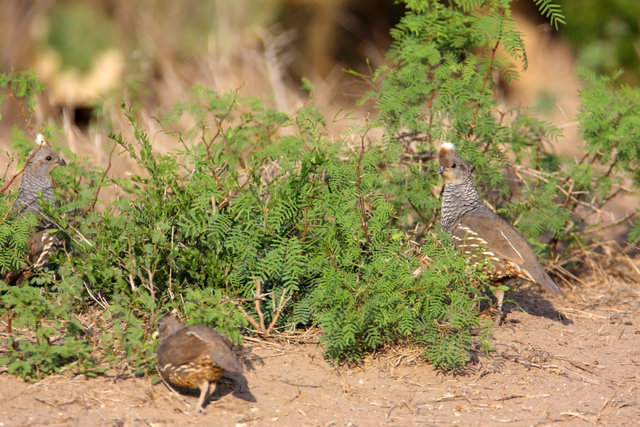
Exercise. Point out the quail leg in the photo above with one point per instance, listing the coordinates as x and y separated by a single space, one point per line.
500 297
204 394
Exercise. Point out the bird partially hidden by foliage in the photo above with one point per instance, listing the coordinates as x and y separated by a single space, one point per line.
36 187
480 234
193 357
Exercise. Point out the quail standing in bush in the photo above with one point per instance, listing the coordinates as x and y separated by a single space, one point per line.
35 187
479 233
193 357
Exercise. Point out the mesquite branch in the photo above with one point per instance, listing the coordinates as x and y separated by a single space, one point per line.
363 209
259 324
484 83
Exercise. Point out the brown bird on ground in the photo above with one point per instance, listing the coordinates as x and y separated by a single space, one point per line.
480 233
194 356
35 187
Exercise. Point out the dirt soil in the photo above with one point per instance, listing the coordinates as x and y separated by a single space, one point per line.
561 361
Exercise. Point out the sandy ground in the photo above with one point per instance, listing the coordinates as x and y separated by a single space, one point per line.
562 361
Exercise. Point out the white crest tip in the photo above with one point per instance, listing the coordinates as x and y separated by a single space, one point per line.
448 146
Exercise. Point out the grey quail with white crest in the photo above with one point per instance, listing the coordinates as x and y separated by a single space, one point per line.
36 186
194 356
479 233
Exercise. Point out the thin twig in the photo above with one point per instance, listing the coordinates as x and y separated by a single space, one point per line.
427 223
360 196
613 223
484 83
99 302
27 122
171 389
278 310
258 285
215 137
248 317
538 175
91 206
33 153
170 290
231 193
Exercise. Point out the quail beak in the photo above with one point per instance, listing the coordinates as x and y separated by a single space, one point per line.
61 162
155 335
440 170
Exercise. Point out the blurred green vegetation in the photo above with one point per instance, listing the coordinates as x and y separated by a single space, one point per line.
605 35
78 31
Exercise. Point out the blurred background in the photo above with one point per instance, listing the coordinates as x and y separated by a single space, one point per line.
93 54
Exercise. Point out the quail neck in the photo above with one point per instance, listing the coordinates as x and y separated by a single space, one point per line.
34 185
36 180
458 199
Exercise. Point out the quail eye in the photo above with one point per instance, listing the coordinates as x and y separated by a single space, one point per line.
48 158
453 165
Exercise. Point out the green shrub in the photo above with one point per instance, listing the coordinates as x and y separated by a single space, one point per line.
260 223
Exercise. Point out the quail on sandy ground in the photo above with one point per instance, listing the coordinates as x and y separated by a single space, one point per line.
480 234
193 357
36 187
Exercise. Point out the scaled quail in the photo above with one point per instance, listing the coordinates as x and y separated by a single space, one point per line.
480 233
36 186
194 356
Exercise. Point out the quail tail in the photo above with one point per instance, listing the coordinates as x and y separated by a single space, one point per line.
541 277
